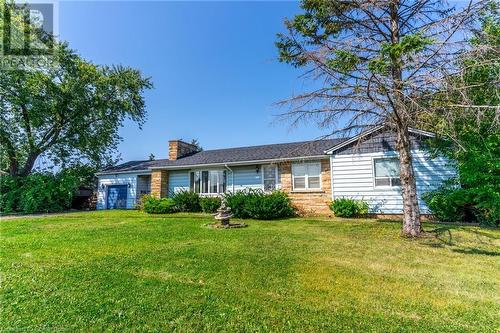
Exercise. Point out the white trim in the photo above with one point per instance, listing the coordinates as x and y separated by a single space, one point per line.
368 132
330 162
421 132
223 164
383 187
209 181
306 179
275 175
275 160
138 172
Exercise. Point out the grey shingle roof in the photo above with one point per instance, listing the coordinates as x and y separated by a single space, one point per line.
234 155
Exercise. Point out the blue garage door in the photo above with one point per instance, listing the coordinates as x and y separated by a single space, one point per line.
117 196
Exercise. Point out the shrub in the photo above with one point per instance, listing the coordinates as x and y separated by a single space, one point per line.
259 205
451 203
445 205
344 207
210 204
154 205
187 201
236 201
38 192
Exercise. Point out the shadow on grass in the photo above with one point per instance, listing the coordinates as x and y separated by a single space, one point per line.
443 236
477 251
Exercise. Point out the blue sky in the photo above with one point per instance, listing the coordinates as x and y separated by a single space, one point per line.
213 65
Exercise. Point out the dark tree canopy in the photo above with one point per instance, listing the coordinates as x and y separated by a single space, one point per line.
67 110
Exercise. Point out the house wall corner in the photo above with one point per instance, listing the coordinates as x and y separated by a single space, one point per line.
159 183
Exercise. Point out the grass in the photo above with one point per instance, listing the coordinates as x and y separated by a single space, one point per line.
127 271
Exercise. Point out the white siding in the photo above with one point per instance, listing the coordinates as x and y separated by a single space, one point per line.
353 178
117 179
178 181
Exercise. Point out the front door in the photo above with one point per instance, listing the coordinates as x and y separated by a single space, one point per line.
117 196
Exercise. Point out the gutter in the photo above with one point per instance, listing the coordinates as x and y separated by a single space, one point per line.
187 166
222 164
104 173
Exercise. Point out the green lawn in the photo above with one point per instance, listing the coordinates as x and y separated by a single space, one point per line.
127 271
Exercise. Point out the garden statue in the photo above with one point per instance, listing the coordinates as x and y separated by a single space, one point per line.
223 214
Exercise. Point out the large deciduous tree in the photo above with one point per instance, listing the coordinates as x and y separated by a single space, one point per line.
375 62
66 110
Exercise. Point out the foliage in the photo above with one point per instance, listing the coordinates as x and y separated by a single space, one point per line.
446 203
471 136
345 207
182 201
66 110
187 201
154 205
210 204
236 201
362 266
458 204
38 192
259 205
197 144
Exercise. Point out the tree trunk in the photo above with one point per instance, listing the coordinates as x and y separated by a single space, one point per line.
13 167
28 165
411 211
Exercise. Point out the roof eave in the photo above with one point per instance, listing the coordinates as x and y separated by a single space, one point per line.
239 163
111 172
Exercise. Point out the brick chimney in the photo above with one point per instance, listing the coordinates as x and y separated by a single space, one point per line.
178 149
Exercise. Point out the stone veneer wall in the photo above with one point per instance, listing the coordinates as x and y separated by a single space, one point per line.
309 202
159 183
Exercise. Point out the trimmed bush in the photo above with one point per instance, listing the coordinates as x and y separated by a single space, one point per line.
344 207
187 201
236 201
259 205
210 204
153 205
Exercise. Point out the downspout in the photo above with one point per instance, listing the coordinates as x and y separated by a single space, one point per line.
232 175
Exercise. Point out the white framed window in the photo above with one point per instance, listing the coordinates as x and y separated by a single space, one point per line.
208 181
386 172
306 176
269 177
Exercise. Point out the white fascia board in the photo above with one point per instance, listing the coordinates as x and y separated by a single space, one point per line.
422 132
276 160
139 172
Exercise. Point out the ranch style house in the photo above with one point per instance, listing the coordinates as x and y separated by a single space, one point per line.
313 173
